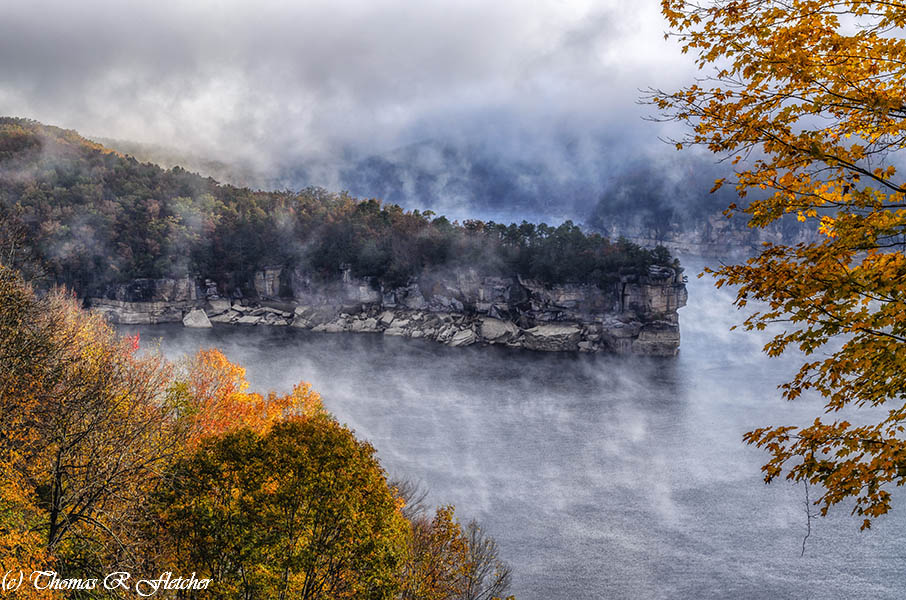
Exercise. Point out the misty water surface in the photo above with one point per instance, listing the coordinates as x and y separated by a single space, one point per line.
600 477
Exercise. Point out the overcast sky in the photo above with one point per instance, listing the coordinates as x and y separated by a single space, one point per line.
312 77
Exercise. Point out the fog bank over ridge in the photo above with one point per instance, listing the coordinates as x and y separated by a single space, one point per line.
452 102
595 186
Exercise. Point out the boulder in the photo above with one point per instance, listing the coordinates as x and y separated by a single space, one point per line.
311 316
552 338
139 313
464 337
495 330
363 325
217 306
445 333
226 317
196 318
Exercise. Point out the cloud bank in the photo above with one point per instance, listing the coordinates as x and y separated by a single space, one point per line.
300 88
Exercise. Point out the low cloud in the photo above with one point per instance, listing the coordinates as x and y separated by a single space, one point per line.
310 88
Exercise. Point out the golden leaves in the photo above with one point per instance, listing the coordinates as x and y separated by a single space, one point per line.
822 109
213 400
89 426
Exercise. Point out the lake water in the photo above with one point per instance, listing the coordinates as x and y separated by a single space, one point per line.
599 476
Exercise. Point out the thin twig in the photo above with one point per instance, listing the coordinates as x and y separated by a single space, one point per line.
808 520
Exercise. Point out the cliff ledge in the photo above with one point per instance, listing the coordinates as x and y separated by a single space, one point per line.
633 315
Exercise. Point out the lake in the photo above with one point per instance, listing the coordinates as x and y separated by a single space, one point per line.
599 476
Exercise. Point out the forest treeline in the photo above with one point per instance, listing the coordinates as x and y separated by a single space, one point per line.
85 216
116 460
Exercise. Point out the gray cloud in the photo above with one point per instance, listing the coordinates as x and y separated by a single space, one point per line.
278 84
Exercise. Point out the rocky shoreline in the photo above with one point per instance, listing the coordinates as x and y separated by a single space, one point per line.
638 315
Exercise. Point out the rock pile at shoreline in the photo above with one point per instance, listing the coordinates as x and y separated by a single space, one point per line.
634 315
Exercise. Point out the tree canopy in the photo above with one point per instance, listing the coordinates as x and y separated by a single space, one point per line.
302 511
808 99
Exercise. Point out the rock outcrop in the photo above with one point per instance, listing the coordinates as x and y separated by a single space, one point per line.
147 301
632 315
197 318
715 236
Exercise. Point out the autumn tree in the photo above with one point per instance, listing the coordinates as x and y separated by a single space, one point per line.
21 544
90 426
487 576
82 429
209 396
447 562
808 99
437 564
301 511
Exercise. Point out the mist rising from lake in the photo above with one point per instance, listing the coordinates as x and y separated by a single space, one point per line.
599 476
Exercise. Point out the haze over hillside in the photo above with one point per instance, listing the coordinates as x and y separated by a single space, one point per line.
89 217
471 109
582 182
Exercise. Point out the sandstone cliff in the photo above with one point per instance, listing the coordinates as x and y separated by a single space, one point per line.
633 315
714 236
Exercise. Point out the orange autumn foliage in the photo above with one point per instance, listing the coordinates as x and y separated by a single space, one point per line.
88 425
211 398
112 459
82 434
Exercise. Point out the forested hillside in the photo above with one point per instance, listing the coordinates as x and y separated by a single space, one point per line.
85 216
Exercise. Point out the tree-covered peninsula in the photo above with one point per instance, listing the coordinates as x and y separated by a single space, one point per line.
85 216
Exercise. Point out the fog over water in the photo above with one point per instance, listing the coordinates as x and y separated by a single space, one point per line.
599 476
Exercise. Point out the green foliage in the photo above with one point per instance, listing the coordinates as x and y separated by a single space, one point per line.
93 217
302 511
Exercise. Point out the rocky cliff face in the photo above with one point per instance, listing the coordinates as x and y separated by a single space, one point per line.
634 315
715 236
144 301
